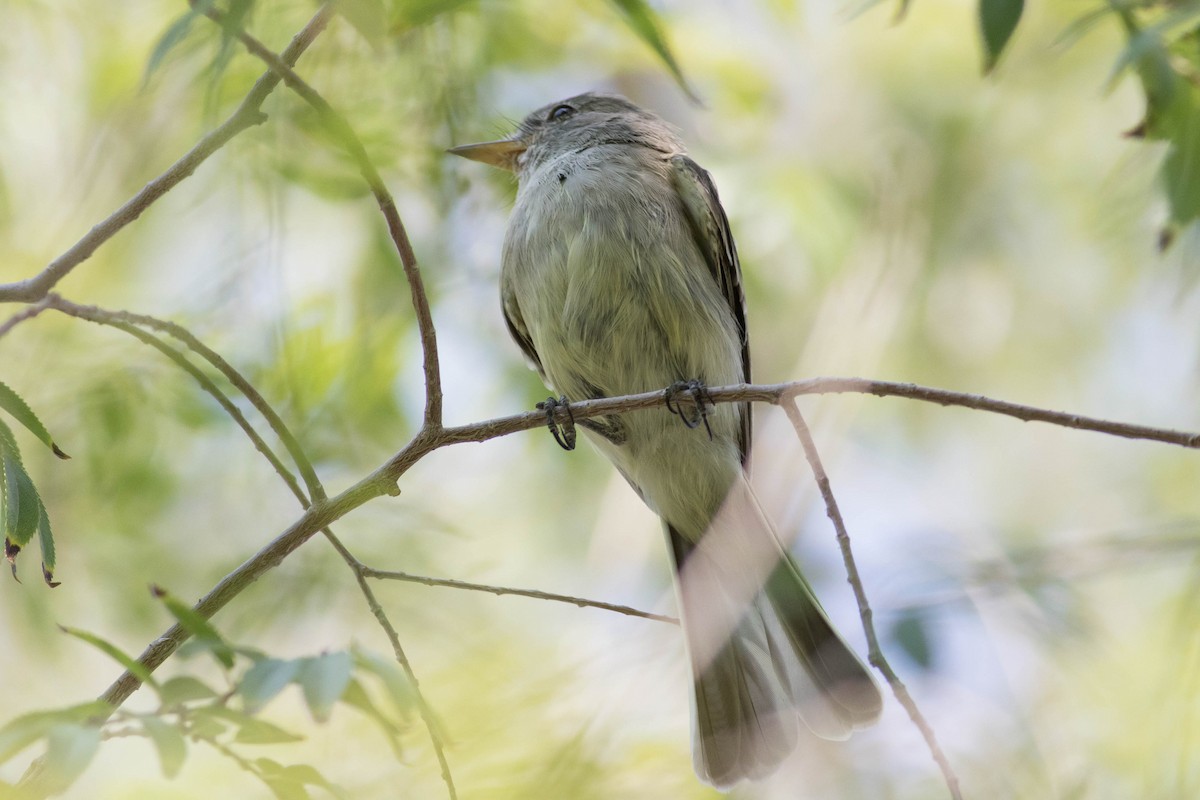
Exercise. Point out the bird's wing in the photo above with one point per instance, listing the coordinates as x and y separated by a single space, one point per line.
710 227
520 333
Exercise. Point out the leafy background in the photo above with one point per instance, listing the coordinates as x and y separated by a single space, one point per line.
899 215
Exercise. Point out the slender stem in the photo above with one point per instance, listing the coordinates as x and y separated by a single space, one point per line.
427 713
345 135
24 314
874 651
243 385
450 583
246 116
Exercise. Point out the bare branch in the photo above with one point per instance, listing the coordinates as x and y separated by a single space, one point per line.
345 134
247 115
383 480
500 590
25 314
874 652
127 322
193 343
427 715
778 393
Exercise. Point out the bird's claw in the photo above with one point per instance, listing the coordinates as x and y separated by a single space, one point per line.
697 393
563 431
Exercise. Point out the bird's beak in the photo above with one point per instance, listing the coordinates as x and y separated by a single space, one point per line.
502 153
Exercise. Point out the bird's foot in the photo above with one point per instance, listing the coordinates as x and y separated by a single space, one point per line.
560 420
696 393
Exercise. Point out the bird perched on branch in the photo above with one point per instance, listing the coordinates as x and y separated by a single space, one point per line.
619 276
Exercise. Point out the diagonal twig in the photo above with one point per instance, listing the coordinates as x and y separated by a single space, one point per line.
246 116
874 651
345 134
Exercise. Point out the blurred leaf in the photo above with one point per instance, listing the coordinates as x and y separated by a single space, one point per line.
997 21
251 730
127 661
264 680
368 17
69 750
323 679
169 742
203 725
646 25
11 402
197 626
1172 111
1181 169
19 733
911 634
356 697
172 36
414 13
272 774
393 679
181 689
257 731
292 781
232 22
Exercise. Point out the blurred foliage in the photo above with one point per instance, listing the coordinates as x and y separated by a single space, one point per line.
899 215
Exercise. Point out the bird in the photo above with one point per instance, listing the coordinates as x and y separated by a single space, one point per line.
619 275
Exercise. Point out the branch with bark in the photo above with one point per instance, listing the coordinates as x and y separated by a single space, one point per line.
320 512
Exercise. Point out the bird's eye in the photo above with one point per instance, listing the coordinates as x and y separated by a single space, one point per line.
560 112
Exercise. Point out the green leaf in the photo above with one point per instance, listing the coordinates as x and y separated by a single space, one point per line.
69 750
323 679
257 731
291 782
46 543
22 506
911 634
169 742
251 730
307 775
21 732
182 689
415 13
1181 169
127 661
264 680
11 402
197 626
997 21
204 726
369 18
645 24
356 696
394 680
175 33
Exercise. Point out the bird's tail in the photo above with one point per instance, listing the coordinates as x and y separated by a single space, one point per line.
763 651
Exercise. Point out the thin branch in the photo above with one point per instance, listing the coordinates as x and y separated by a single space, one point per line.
281 430
778 393
247 115
874 652
127 322
383 480
344 133
427 713
25 314
122 321
581 602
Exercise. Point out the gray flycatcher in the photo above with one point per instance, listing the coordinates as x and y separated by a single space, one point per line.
619 275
